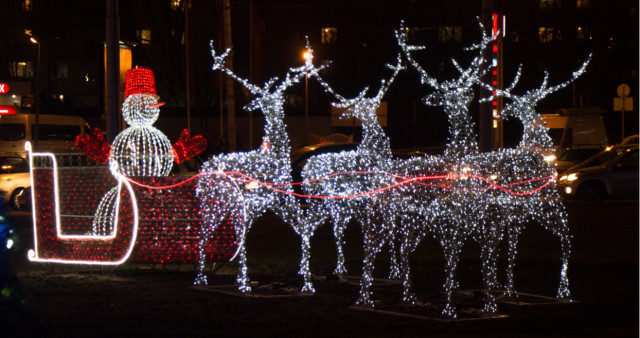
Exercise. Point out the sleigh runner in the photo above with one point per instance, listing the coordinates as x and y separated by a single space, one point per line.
157 219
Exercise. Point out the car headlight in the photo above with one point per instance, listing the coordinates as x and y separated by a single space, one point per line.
568 178
572 177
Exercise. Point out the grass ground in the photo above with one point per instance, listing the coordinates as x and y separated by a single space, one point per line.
142 301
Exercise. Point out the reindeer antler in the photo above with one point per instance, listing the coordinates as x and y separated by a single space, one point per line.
358 103
401 36
532 96
313 72
293 77
475 71
218 64
574 76
384 87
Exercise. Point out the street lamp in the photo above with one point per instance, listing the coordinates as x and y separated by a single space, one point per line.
36 100
308 56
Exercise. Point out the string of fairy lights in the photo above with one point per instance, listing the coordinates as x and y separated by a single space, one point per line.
223 197
365 170
460 194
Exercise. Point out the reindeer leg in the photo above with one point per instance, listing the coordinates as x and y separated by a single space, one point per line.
305 270
554 218
513 233
371 248
201 278
562 230
394 268
408 297
243 279
563 288
491 231
451 254
339 225
489 269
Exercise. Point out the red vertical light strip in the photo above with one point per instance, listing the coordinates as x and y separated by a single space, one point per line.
494 17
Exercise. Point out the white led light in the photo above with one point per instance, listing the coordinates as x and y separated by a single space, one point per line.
222 198
364 169
486 214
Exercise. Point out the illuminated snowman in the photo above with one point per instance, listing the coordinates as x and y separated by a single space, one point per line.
141 149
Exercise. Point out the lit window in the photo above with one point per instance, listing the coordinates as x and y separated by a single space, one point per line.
144 35
21 69
175 4
548 4
582 33
545 34
27 5
449 33
59 70
582 3
59 97
294 100
329 35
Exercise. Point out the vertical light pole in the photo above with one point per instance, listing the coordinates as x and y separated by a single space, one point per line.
308 56
112 64
36 94
251 69
485 119
187 5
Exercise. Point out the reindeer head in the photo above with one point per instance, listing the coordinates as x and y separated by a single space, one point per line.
363 107
523 106
455 93
271 94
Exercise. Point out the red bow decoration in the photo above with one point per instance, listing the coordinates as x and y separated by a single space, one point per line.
187 147
265 146
94 146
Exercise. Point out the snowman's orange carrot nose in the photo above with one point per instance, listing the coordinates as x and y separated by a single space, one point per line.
156 105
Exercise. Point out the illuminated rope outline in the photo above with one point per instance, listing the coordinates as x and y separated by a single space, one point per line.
33 254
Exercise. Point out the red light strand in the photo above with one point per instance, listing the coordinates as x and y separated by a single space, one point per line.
402 181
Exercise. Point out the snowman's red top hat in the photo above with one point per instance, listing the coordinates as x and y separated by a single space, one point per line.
139 80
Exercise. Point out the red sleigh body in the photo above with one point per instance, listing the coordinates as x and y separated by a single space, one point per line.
157 218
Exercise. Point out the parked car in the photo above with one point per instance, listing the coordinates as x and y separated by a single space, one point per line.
573 156
300 156
611 173
576 127
631 139
14 181
56 133
606 155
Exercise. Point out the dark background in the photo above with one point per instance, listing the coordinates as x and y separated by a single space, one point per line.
73 32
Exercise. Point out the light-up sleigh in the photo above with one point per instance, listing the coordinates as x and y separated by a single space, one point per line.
156 219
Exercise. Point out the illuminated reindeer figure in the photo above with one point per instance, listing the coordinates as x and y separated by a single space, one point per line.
239 186
344 177
535 152
412 205
452 212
